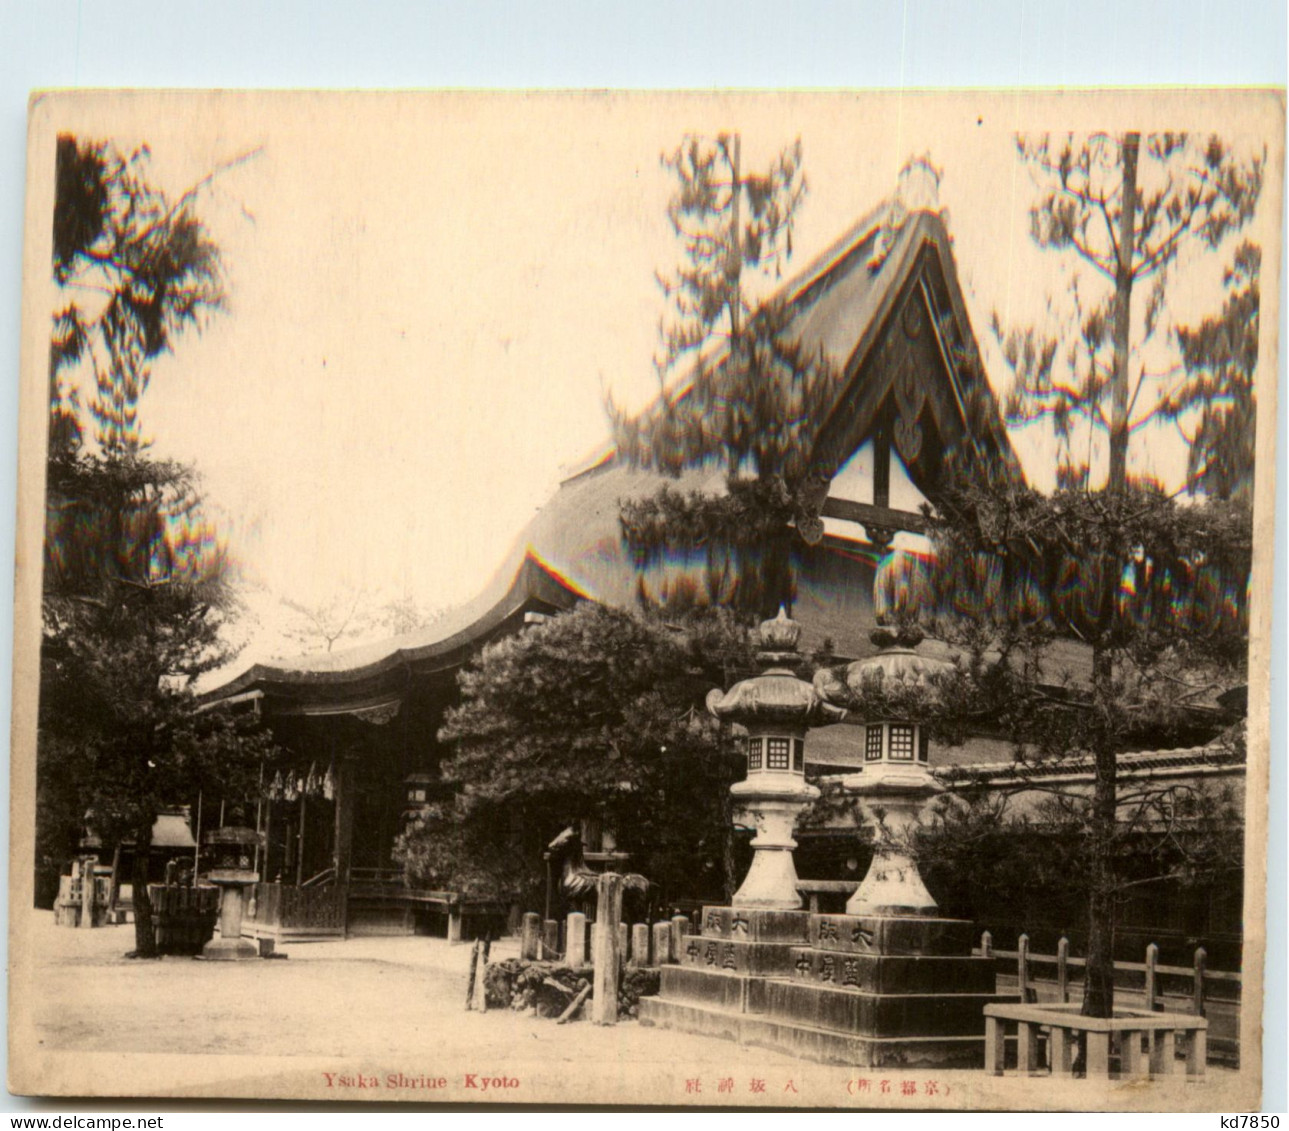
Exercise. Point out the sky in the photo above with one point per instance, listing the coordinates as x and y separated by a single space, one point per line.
429 297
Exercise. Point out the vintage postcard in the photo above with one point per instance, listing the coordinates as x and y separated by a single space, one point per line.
746 600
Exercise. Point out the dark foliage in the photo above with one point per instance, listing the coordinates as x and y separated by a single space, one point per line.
595 714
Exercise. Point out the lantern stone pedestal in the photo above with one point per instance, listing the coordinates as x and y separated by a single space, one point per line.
232 850
771 881
892 797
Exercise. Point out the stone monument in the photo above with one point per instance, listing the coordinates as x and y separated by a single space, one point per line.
776 708
233 872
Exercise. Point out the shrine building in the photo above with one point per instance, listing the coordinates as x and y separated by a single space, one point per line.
885 307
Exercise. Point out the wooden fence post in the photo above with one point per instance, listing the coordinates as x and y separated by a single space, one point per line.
1062 969
474 973
986 945
480 981
87 890
608 912
1022 968
1152 978
1201 962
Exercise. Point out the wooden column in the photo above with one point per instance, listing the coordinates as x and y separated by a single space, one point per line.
604 1003
344 837
299 854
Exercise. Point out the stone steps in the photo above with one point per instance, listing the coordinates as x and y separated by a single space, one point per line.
812 1043
865 991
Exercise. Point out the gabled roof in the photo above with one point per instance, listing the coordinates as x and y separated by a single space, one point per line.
571 550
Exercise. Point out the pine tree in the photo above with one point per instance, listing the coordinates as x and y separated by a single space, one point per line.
133 270
135 592
1129 210
737 391
1221 359
596 714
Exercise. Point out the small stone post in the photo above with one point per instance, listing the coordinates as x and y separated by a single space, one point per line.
1062 969
986 945
87 890
530 935
454 923
1022 968
604 1002
679 929
662 955
640 945
550 939
624 940
575 939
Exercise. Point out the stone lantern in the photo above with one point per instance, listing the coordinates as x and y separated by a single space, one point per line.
231 851
895 782
777 708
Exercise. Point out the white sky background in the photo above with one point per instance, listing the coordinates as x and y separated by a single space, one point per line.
428 298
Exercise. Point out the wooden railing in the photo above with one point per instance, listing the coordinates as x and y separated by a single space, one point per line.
1150 986
286 911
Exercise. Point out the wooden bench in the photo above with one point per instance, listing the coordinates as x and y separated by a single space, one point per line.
1064 1024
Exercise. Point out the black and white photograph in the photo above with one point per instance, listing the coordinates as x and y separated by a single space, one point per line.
752 600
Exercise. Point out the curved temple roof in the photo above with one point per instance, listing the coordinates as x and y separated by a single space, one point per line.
571 550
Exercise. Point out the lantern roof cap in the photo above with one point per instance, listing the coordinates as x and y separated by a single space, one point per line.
776 695
896 666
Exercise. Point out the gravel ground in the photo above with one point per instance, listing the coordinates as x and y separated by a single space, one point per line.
372 1019
367 997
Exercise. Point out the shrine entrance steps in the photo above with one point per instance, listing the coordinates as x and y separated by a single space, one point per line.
840 989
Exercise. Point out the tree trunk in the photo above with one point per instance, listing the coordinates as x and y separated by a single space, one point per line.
145 942
1098 985
1123 317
